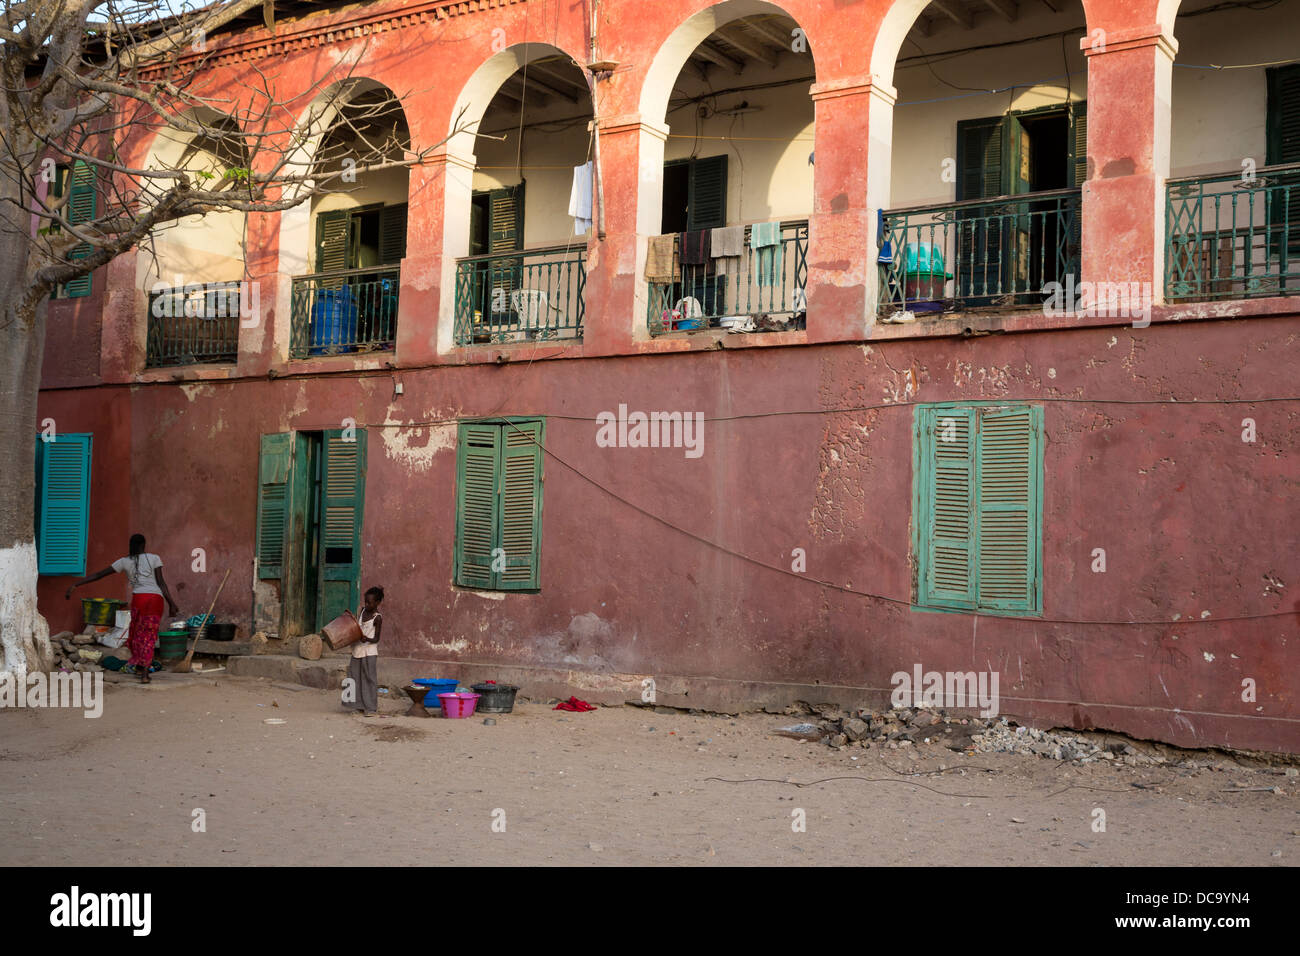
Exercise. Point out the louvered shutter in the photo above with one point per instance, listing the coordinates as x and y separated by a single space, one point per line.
520 485
505 234
63 503
343 484
476 503
946 512
1283 138
1006 508
273 469
82 203
706 204
982 173
332 245
392 234
1079 143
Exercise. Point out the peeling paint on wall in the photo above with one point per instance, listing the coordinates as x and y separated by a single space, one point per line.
416 447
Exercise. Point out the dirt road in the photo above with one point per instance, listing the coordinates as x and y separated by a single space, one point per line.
616 786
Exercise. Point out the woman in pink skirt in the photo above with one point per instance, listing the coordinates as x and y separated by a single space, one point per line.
148 589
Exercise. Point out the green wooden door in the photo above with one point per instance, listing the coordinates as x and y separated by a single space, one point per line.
273 470
342 505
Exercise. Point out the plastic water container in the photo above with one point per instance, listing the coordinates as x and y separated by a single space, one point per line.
333 322
435 686
458 705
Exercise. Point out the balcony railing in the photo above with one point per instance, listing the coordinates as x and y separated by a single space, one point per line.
978 253
193 326
520 296
353 310
1232 236
760 290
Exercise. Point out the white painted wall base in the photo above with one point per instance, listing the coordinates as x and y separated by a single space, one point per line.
24 634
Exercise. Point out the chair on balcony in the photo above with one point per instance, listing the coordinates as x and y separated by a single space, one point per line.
532 307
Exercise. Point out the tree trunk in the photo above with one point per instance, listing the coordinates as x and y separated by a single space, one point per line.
24 635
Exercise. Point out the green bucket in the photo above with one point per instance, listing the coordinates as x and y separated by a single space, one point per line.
100 611
172 644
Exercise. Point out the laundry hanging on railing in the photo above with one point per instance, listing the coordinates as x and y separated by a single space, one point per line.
727 245
661 259
695 247
580 199
765 240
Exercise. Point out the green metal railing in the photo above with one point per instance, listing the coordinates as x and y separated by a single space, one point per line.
977 253
193 326
352 310
1234 235
760 290
520 296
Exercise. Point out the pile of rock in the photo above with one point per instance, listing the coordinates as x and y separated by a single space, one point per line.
81 652
909 726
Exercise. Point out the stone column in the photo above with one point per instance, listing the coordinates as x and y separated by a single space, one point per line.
1130 74
853 138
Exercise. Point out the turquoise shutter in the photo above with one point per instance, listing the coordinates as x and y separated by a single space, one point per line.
81 208
981 172
520 484
1007 507
343 487
476 503
63 503
946 507
706 203
392 234
273 467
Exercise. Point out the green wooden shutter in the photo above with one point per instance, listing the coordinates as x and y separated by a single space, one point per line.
1078 143
945 513
520 484
392 234
981 172
273 468
343 486
706 203
476 503
1007 512
63 503
332 241
81 208
505 234
1282 131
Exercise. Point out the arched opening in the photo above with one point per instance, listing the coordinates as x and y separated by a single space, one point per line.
988 154
735 183
192 269
520 205
1233 196
350 237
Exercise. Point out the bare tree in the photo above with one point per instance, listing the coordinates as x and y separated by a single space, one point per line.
85 82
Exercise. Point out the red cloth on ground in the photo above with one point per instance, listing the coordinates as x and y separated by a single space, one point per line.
574 704
146 612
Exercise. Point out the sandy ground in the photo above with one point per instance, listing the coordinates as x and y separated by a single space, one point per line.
616 786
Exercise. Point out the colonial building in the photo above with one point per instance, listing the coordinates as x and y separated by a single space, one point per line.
739 346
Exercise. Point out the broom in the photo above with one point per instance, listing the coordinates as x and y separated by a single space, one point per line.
184 666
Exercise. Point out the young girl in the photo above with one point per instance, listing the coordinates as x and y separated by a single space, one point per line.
364 666
147 592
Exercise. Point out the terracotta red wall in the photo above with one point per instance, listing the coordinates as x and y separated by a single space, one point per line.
1191 518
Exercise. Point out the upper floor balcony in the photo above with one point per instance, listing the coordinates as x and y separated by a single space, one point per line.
733 180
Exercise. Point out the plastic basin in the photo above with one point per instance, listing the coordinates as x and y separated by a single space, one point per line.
458 705
435 686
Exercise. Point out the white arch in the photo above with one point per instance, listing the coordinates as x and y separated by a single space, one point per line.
889 39
458 172
295 239
681 43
